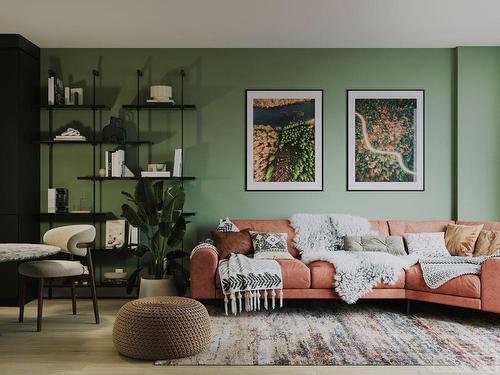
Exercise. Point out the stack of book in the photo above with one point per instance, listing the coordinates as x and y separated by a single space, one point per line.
115 163
70 138
55 91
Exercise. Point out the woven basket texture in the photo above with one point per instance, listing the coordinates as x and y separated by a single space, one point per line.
162 328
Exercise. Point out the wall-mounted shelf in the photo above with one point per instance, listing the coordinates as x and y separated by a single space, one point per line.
76 217
99 178
81 107
171 107
48 142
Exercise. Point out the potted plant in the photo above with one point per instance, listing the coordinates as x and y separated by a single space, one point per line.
157 211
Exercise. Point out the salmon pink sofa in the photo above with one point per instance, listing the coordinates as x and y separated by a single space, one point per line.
480 292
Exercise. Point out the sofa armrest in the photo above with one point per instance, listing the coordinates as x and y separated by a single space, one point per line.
204 262
490 285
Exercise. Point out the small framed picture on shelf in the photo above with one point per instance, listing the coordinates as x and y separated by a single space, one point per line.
115 234
385 140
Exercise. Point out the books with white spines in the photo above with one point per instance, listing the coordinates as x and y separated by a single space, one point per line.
107 163
155 174
50 89
117 161
133 236
177 172
51 201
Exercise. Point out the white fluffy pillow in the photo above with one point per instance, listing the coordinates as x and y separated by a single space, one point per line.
426 244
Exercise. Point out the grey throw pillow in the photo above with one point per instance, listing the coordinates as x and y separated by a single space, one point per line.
268 245
391 244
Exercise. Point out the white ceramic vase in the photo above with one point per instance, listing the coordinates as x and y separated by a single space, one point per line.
151 287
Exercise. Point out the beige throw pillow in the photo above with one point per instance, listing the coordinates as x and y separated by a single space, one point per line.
387 244
461 239
487 243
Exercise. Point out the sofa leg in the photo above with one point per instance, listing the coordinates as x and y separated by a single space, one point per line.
408 307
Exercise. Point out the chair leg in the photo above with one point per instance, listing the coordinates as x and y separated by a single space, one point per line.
73 297
22 297
40 305
92 285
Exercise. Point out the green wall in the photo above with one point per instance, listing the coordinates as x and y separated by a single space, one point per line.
478 94
215 136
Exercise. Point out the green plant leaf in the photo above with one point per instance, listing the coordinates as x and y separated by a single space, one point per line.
158 193
132 216
132 280
177 233
144 196
129 196
172 210
176 254
140 250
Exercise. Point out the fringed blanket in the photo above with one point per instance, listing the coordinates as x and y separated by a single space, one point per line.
246 281
439 270
357 272
325 232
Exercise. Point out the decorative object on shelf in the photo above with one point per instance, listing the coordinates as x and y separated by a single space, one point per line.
114 131
55 94
158 215
51 201
85 203
177 172
157 167
165 174
115 233
284 138
385 140
73 96
102 172
127 172
70 134
160 94
116 277
62 199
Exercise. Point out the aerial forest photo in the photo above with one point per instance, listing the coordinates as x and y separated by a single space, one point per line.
385 140
283 140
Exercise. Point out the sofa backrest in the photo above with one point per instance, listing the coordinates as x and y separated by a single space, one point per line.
383 227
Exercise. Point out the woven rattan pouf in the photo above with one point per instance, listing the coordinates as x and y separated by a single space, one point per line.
162 328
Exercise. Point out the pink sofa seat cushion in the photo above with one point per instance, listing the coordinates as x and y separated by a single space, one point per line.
380 226
462 286
488 225
276 226
295 274
400 227
322 274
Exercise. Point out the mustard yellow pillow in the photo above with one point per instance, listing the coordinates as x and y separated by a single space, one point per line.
487 243
461 239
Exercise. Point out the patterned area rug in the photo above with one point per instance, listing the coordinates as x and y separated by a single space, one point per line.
368 333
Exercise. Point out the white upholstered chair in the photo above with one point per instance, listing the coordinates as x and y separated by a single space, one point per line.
76 240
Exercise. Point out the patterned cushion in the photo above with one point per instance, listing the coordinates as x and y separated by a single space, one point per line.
226 225
391 244
426 244
268 245
232 242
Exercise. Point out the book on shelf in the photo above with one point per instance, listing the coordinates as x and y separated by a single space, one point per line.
114 162
177 172
155 174
55 94
133 236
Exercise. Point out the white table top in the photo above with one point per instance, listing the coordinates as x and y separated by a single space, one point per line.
10 252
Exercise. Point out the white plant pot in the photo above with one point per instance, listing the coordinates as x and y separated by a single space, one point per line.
151 287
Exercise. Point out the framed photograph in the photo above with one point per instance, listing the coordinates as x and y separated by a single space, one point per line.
284 140
385 139
115 233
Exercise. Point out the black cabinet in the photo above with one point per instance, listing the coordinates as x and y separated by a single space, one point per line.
19 151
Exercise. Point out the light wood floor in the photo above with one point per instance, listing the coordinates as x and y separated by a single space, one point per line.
75 345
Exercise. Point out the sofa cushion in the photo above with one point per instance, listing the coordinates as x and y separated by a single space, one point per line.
387 244
461 239
278 226
488 225
487 243
462 286
400 227
295 274
380 226
232 242
322 274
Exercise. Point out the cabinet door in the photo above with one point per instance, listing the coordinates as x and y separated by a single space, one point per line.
9 228
9 164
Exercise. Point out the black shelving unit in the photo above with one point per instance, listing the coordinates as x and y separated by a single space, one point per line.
95 216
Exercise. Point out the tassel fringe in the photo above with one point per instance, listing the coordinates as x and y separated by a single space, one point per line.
251 300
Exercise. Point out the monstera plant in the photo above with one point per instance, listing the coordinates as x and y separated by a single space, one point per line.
156 209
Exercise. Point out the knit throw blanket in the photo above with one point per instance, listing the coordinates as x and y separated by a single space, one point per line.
357 272
246 281
325 232
439 270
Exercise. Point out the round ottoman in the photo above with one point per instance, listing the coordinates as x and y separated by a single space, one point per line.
162 328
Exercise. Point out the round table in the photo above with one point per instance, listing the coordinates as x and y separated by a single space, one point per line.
12 252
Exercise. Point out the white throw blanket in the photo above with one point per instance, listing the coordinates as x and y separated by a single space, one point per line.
357 272
325 232
246 281
439 270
